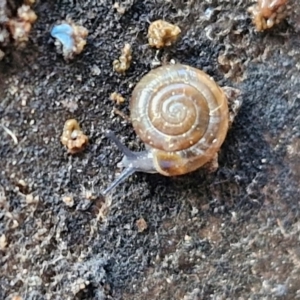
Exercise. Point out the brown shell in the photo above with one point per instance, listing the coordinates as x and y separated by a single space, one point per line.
182 115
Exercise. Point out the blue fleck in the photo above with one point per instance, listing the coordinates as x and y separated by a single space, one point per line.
64 33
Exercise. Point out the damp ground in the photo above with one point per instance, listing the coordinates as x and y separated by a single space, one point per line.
233 234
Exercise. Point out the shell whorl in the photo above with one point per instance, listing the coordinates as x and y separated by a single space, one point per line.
179 110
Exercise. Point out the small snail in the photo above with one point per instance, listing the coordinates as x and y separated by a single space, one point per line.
182 116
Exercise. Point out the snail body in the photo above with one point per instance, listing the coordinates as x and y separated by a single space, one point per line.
182 116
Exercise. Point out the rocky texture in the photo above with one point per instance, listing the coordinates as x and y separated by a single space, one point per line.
231 234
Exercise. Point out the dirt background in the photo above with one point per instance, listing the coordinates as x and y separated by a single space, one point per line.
233 234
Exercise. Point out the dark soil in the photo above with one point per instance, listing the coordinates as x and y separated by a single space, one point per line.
233 234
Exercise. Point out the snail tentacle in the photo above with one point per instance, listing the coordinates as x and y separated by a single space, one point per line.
110 135
122 177
141 161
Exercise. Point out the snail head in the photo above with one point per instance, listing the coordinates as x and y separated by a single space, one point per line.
132 162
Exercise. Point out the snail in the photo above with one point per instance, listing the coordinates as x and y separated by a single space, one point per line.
182 116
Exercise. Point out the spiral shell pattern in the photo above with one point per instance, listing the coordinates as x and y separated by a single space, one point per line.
179 110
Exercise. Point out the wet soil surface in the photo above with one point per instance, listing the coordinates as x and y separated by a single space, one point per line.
232 234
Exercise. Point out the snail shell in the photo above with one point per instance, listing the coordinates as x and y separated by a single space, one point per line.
181 114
